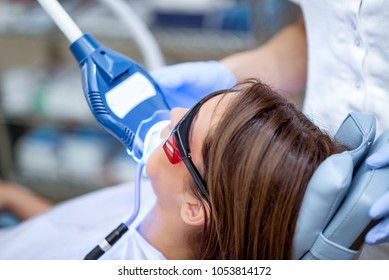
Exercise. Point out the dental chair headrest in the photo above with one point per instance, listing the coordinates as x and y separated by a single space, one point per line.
333 213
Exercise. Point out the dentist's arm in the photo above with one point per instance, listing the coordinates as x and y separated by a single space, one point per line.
380 209
280 62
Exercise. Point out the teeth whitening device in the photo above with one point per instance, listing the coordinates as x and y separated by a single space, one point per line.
123 98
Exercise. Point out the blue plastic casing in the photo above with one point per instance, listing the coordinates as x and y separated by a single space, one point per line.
122 96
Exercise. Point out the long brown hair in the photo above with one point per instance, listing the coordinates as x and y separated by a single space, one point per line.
258 161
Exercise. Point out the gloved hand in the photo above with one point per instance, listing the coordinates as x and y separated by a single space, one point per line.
380 209
184 84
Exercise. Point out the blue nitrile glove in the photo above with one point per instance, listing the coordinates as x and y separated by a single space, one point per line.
184 84
380 209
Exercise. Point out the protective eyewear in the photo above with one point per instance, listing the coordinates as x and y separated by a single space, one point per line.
177 148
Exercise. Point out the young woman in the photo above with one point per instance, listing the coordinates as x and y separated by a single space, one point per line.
229 179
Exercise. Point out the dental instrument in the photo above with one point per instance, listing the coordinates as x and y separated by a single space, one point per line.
123 98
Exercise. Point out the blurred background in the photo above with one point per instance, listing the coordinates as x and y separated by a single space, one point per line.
49 140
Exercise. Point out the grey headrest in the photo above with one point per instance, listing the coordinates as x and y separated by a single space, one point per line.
331 181
344 235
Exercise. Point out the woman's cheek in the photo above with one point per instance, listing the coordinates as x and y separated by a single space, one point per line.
163 176
154 163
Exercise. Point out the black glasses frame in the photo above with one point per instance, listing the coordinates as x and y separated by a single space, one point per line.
181 134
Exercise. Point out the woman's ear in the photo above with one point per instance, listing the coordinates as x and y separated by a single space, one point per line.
192 211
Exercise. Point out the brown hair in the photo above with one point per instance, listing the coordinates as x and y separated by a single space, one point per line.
258 161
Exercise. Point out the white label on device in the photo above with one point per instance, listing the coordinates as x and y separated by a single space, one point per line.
129 93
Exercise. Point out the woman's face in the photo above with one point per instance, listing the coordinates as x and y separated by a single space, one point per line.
170 181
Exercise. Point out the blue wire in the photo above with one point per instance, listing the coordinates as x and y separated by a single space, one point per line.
110 240
138 179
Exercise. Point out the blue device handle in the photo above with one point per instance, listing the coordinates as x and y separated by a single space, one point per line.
122 96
